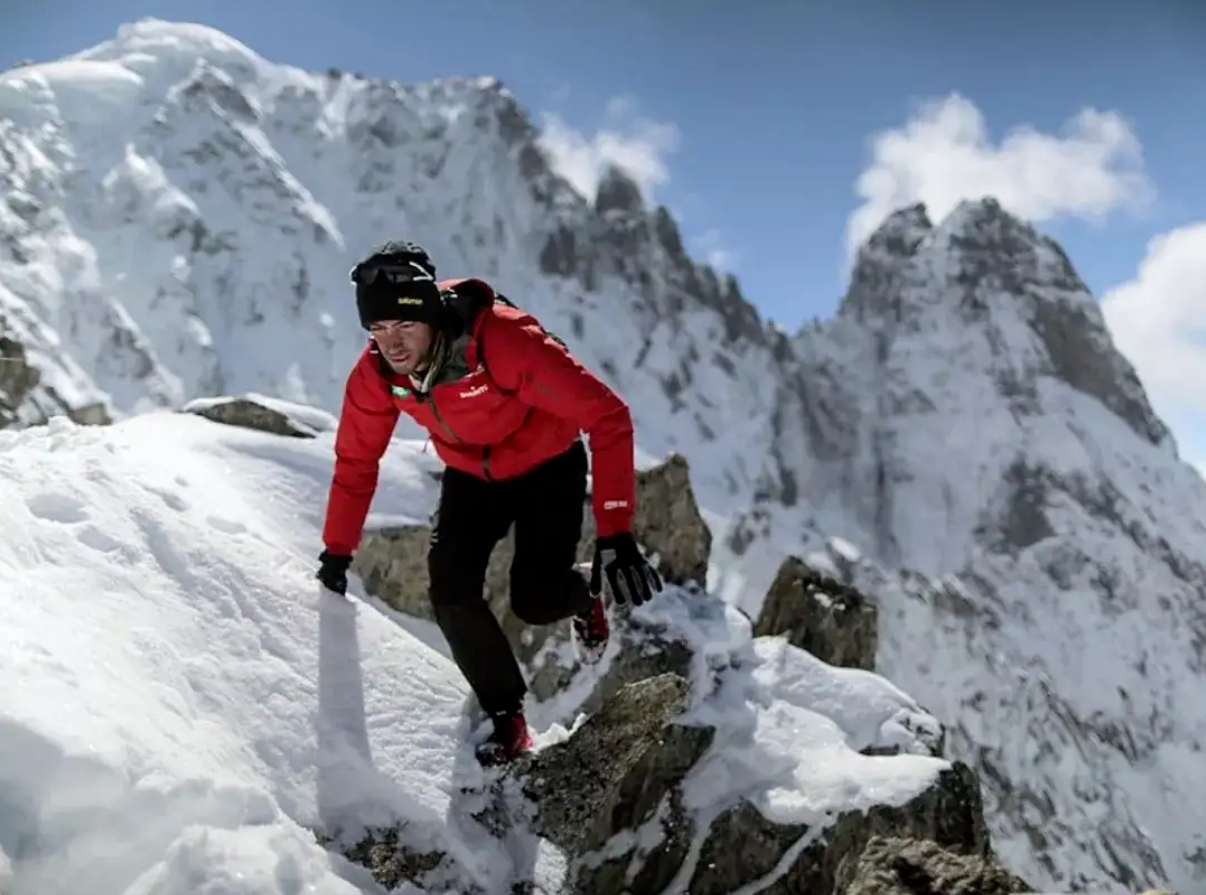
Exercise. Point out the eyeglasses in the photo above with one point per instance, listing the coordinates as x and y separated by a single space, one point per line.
365 274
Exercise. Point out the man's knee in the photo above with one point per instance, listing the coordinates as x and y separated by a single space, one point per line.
544 594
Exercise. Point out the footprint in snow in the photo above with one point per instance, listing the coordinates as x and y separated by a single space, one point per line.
226 526
99 540
55 506
172 500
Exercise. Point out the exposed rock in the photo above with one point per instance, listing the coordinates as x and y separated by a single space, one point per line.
564 791
738 845
25 399
949 813
621 779
833 621
94 414
894 866
741 846
574 785
248 414
390 860
617 191
897 866
392 562
668 522
17 379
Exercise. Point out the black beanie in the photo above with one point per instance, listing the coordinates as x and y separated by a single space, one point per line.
396 281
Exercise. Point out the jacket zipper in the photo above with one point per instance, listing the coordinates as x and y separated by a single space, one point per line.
435 410
439 419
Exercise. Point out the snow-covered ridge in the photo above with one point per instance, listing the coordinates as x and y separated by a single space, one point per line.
190 705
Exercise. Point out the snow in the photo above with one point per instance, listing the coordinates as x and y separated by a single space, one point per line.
789 736
84 93
185 704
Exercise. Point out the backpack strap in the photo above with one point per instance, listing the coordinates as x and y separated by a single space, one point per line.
466 298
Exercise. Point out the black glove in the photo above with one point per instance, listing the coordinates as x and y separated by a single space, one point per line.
333 573
631 578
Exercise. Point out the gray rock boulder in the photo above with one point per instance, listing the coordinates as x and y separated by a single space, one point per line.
574 785
248 413
17 379
835 622
896 866
26 400
733 843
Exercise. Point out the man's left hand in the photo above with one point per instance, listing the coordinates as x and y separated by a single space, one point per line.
631 578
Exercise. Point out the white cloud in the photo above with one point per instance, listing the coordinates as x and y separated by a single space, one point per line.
626 139
1158 321
944 154
711 245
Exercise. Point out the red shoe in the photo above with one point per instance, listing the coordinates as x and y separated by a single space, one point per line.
509 740
591 631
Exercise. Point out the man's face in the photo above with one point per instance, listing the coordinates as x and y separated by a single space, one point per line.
404 343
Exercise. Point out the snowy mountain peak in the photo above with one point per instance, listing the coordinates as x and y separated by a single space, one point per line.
985 271
879 260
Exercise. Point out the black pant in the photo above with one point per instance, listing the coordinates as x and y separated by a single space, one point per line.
547 505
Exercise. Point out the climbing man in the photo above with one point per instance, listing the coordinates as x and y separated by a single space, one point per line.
505 404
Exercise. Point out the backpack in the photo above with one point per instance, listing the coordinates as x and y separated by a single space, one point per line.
466 297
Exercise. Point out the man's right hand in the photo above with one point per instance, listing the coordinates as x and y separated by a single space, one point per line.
333 572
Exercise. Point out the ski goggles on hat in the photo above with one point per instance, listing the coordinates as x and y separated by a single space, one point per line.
366 273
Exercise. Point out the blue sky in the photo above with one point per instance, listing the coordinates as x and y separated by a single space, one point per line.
761 114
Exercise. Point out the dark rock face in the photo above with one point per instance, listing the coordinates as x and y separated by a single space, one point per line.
17 379
892 866
575 785
618 192
22 391
249 414
831 620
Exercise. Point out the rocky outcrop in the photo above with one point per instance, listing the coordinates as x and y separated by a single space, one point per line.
689 635
17 379
26 400
833 621
741 847
574 785
894 866
683 683
561 793
248 414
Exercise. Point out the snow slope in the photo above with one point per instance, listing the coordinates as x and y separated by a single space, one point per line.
182 705
177 217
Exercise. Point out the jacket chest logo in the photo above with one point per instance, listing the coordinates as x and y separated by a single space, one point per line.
474 392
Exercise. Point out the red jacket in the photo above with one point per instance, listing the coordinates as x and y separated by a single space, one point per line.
526 404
